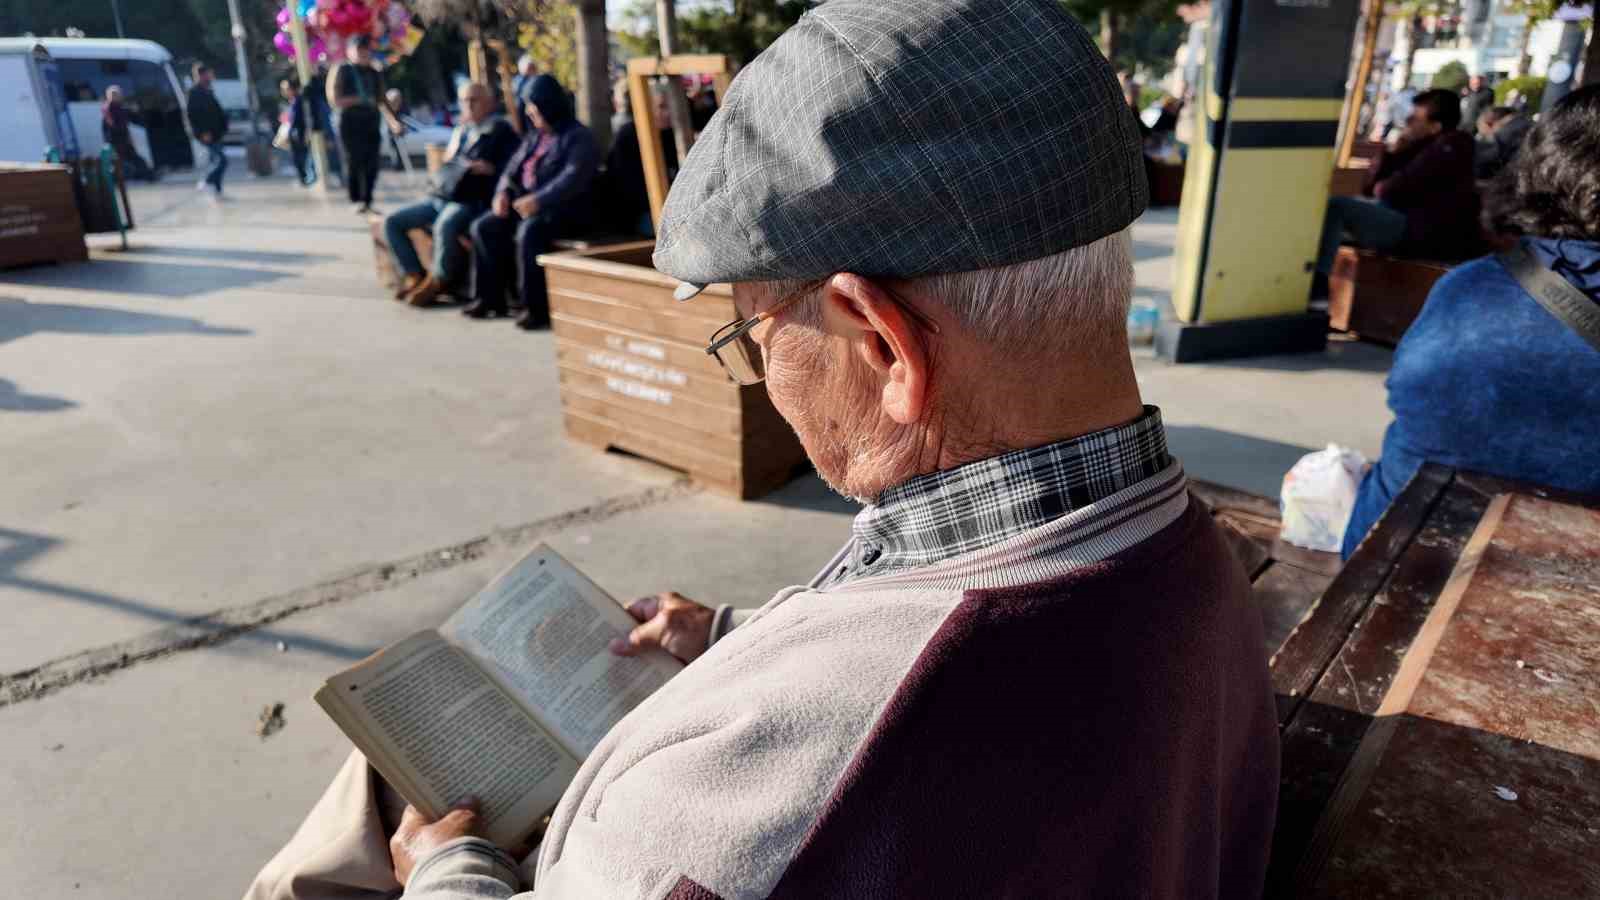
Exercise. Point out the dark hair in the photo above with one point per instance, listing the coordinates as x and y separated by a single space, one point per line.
1552 187
198 69
1443 106
361 42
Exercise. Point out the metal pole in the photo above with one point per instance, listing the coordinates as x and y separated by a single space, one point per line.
116 13
302 62
243 61
677 104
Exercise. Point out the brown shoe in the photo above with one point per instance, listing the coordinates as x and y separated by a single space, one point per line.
427 293
408 283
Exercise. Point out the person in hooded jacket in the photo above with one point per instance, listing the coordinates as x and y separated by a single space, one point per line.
542 194
1486 378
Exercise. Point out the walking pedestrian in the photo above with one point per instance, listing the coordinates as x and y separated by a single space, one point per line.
298 117
209 123
114 120
358 96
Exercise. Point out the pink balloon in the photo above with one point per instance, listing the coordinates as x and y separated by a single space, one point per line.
284 43
283 18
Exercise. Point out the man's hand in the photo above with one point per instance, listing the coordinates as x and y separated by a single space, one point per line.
481 167
502 205
672 622
417 837
527 206
204 137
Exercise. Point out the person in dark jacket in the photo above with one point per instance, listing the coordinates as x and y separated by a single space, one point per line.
114 122
1425 203
1485 378
209 124
358 94
542 195
1501 131
622 202
297 115
478 150
1476 97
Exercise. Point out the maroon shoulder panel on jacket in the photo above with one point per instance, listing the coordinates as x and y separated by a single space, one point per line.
689 890
1109 733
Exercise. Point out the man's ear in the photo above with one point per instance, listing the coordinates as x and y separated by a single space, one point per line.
885 337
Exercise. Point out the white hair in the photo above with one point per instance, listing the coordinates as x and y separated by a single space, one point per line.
1078 297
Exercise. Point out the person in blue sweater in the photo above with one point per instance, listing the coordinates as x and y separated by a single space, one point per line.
543 194
1486 379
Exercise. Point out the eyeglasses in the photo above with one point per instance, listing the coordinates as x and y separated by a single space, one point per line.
740 354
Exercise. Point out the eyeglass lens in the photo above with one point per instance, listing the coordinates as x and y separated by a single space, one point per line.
741 358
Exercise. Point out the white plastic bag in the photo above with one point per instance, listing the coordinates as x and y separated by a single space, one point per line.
1319 494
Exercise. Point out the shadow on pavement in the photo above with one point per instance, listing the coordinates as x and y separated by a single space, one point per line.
154 279
14 400
20 318
263 257
17 548
1340 355
1238 461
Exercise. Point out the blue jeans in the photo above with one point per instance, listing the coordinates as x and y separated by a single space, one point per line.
447 220
1371 224
216 164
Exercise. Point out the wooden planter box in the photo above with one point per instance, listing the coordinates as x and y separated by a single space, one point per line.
1377 296
635 374
39 219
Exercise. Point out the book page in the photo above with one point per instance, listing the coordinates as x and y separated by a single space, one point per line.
440 730
542 630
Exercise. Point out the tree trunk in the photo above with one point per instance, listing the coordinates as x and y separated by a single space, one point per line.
1524 58
677 103
1110 28
1591 56
594 91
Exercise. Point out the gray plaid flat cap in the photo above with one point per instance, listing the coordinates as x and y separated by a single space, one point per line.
901 138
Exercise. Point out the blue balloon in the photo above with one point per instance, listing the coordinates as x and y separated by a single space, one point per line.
307 7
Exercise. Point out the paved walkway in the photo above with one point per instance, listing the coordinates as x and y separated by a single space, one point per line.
233 468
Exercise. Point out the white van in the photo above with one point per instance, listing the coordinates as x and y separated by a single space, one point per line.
85 68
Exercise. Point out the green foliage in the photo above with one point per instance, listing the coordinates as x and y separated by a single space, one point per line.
1452 76
1149 95
1531 87
550 36
741 29
1149 32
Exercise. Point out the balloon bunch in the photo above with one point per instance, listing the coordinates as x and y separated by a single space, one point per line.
330 23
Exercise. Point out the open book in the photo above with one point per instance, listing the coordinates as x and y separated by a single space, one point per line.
501 702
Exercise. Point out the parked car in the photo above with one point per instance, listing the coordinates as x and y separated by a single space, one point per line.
236 104
82 69
415 139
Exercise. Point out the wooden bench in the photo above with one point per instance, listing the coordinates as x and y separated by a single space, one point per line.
1377 296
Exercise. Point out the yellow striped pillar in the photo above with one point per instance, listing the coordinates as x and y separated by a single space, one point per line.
1256 181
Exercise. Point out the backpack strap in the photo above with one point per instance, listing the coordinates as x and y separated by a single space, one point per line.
1559 298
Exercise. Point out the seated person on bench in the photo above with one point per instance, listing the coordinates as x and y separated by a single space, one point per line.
478 151
543 195
1426 205
1486 379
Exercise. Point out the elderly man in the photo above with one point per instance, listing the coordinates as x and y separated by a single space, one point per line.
1035 669
462 190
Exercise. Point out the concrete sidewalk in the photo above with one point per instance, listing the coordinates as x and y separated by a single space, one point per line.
229 419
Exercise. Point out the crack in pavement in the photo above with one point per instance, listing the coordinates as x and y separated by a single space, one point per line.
225 624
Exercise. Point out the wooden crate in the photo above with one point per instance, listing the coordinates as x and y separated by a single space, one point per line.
635 374
39 219
1377 296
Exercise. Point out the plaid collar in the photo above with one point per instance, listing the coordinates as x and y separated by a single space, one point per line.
944 514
